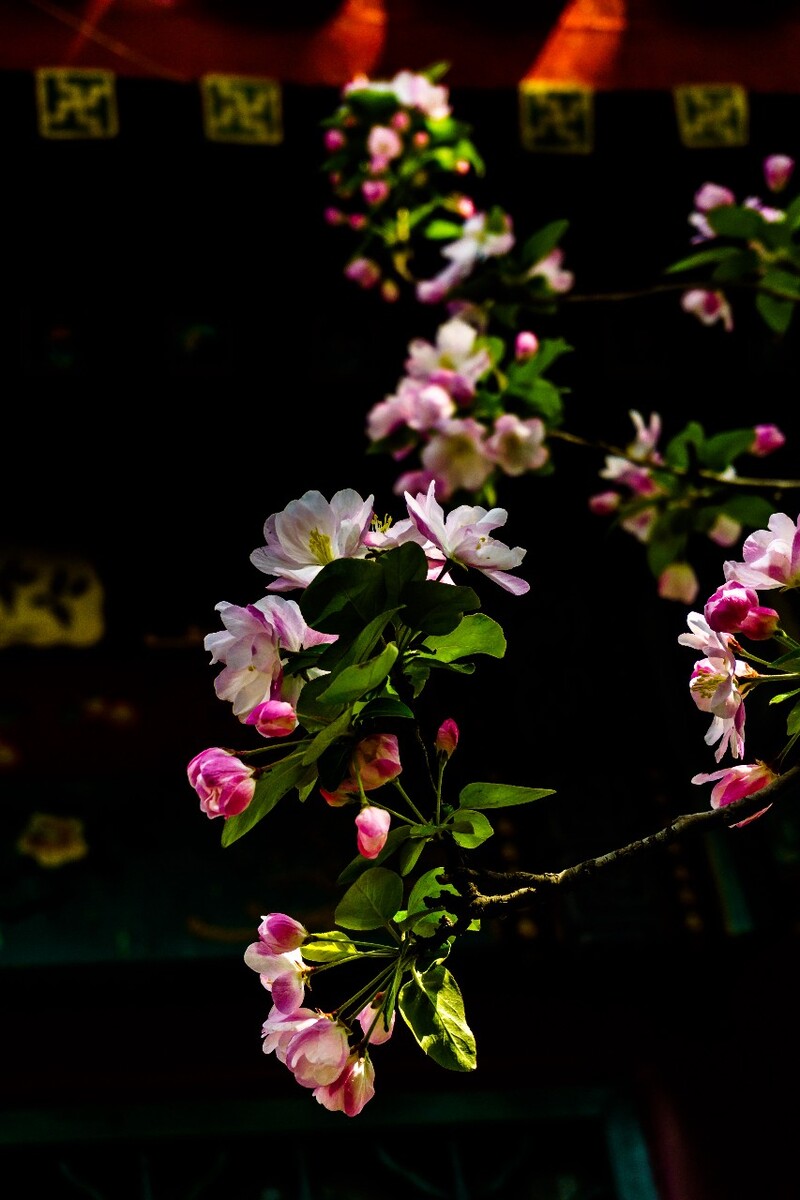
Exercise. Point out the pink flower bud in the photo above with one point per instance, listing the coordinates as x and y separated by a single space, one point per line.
357 221
526 345
712 195
778 170
366 1019
768 438
760 623
604 503
736 782
372 825
280 933
374 191
461 166
273 718
363 271
352 1090
734 608
400 121
465 207
222 781
725 531
447 737
334 139
678 582
333 216
421 139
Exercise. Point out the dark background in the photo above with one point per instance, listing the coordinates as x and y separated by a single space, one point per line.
183 357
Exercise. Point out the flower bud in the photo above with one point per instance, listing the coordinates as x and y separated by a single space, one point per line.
778 170
281 933
678 582
372 825
447 737
526 345
273 718
334 139
222 781
767 439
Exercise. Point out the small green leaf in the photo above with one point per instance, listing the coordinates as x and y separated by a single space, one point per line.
731 220
328 947
777 314
704 258
499 795
432 1007
793 721
384 708
371 901
440 230
785 696
469 828
718 452
270 788
539 244
750 510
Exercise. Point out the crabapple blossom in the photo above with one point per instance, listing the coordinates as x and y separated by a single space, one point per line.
375 761
352 1090
251 649
273 718
643 446
482 236
768 438
279 1029
714 684
372 825
416 405
549 268
725 530
363 271
447 737
603 504
778 169
733 783
463 537
452 362
640 523
374 191
317 1054
384 144
280 933
516 446
708 306
734 608
223 782
771 556
284 975
456 453
707 198
415 90
420 481
377 1030
309 533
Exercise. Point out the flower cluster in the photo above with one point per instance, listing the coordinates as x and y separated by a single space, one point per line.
752 244
721 679
318 1048
469 412
664 498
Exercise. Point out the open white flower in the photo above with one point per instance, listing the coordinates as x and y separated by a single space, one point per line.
309 533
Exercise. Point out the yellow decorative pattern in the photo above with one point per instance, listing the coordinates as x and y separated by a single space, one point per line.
712 115
556 118
49 600
242 109
72 102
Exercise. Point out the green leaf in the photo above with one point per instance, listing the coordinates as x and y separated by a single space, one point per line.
499 795
793 214
338 728
469 828
740 265
437 608
353 682
433 1009
328 947
703 258
677 451
439 230
475 634
785 696
345 651
384 708
750 510
777 314
270 788
539 244
358 865
422 917
719 451
782 281
731 220
371 901
793 721
790 661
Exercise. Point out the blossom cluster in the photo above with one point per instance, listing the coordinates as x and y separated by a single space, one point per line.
319 1048
749 242
722 677
654 503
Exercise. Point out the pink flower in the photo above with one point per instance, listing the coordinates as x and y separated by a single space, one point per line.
222 781
713 195
603 504
447 737
309 533
463 538
734 608
415 90
767 439
352 1090
280 933
384 143
778 170
549 268
377 1030
372 825
317 1054
452 362
709 307
374 191
482 236
456 452
678 582
273 718
737 782
517 446
279 1029
334 140
643 446
771 556
252 645
725 530
284 975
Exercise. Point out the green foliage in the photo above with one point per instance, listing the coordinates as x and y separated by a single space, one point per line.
371 901
499 795
432 1007
290 772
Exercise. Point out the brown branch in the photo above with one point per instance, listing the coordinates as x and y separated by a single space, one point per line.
526 887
